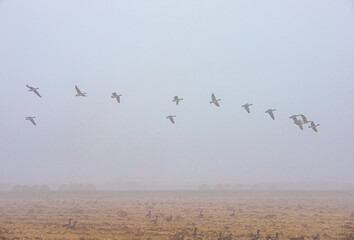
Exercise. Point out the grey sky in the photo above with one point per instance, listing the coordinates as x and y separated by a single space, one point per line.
295 56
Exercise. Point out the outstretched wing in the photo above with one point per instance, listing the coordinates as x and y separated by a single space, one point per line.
171 119
271 114
114 94
247 108
34 123
78 90
118 98
213 97
29 87
36 92
304 119
313 126
300 126
216 103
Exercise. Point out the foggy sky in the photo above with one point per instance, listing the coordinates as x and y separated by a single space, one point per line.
295 56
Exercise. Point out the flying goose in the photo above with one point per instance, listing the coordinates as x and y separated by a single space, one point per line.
304 119
68 224
79 93
171 118
314 126
32 120
32 89
214 100
247 107
270 112
176 99
294 117
299 123
116 96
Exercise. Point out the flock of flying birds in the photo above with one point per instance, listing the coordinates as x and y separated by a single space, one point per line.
176 99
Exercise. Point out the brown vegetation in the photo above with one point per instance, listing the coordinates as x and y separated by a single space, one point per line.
121 215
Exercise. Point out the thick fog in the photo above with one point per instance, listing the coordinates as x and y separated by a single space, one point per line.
294 56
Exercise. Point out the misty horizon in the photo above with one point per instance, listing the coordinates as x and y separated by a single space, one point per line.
296 58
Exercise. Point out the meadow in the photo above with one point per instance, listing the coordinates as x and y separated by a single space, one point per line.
122 214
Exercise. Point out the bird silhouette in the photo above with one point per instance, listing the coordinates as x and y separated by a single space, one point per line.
247 107
35 90
177 100
273 238
68 224
116 96
214 100
171 117
314 126
270 112
32 120
79 93
304 119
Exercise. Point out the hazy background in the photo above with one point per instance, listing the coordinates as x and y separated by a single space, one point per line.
295 56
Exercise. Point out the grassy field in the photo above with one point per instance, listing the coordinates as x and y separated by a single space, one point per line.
122 215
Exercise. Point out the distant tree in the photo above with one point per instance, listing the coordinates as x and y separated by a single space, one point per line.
34 188
90 187
16 188
347 186
77 187
63 188
204 187
237 187
256 187
25 188
44 188
222 187
3 187
272 187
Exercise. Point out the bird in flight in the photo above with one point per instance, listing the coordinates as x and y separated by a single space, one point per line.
171 117
247 107
116 96
294 117
314 126
270 112
32 120
299 123
35 90
79 93
214 100
304 119
176 99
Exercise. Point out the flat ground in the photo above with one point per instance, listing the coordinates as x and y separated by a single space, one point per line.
122 215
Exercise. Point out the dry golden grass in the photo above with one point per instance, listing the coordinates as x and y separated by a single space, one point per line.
121 215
